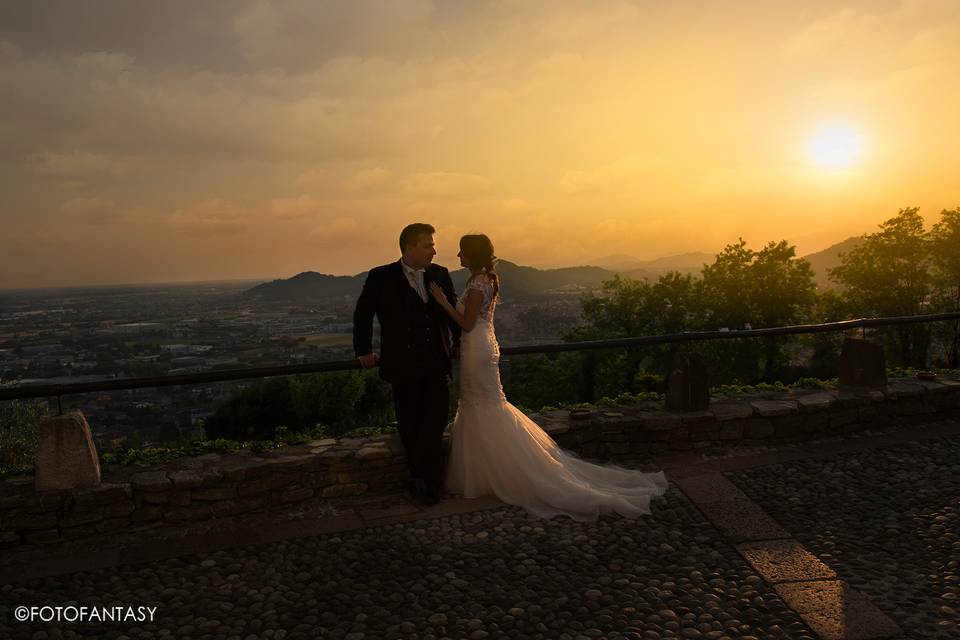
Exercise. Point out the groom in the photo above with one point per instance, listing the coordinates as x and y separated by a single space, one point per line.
416 351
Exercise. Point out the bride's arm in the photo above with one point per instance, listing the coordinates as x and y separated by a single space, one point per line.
471 306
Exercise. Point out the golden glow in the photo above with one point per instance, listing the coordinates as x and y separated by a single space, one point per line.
295 136
835 147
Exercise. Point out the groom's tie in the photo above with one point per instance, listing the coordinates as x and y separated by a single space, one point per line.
418 283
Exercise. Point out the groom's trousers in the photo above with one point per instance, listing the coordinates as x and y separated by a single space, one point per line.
422 399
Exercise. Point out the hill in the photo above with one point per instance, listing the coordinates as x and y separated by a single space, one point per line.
523 282
829 258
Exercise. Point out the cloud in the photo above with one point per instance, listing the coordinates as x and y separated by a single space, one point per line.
623 173
298 207
340 233
822 35
375 180
81 165
314 178
92 210
447 186
209 219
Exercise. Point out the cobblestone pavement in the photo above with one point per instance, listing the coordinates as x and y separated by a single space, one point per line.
886 520
490 574
488 570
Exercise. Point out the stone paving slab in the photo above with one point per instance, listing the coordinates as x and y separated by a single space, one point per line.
742 521
855 623
837 611
710 487
784 561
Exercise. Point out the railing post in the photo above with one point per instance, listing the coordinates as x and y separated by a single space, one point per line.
688 386
862 366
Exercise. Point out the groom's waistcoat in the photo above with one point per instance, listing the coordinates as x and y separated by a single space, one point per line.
413 334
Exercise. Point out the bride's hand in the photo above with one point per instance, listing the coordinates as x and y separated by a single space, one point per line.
438 295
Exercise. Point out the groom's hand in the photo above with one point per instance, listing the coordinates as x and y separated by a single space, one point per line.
369 360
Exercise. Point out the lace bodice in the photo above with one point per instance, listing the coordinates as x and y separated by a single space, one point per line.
482 284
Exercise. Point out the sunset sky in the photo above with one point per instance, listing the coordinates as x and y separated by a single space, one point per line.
174 140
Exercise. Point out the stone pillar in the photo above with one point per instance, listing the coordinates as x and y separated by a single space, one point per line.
688 387
66 456
862 366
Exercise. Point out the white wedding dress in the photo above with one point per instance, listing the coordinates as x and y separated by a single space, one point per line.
496 449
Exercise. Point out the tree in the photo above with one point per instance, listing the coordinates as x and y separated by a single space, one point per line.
766 288
782 293
945 256
888 275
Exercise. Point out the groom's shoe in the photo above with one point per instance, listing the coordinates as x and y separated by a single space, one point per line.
435 493
419 492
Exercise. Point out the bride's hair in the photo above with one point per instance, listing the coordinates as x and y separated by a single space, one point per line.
479 252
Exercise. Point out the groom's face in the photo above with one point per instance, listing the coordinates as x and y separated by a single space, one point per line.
420 255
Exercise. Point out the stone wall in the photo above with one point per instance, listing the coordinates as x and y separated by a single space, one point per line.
210 486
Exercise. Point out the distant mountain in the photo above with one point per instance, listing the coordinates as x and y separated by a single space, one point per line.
518 281
829 258
650 270
306 286
530 281
617 262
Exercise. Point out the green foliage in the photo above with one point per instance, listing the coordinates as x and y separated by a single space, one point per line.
124 455
19 435
944 240
889 275
343 401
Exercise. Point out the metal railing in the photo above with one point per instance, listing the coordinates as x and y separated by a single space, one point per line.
59 390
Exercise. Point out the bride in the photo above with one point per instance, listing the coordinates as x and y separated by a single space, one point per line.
496 448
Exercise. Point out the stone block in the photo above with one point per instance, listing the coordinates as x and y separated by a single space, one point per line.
816 422
104 494
83 517
295 494
186 479
151 481
705 431
618 448
339 490
773 408
731 410
659 421
758 429
731 430
21 521
843 417
695 417
159 497
118 510
81 531
815 402
214 493
195 512
862 365
688 385
42 536
112 524
66 456
47 501
788 427
147 513
9 539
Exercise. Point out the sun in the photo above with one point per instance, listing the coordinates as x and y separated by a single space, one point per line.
835 147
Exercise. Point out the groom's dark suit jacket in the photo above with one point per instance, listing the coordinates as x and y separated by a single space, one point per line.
413 333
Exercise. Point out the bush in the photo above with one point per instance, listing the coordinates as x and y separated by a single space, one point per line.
19 436
341 401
